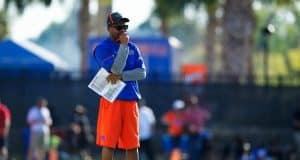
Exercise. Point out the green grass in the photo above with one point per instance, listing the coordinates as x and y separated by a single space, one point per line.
277 67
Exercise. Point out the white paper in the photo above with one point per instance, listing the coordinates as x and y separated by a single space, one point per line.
103 88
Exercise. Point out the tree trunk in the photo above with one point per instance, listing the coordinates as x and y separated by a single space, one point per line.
84 28
238 28
164 28
210 43
103 11
3 25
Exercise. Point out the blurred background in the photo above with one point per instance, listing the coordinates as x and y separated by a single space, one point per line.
241 58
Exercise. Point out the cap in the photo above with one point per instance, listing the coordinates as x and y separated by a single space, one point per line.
178 104
116 18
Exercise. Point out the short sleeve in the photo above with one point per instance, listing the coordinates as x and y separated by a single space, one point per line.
103 57
30 115
151 117
139 61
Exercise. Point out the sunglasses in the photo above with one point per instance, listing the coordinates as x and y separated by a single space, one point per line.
120 27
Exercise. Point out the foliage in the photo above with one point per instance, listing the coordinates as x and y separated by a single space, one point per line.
294 57
278 2
3 25
168 8
21 4
277 67
286 35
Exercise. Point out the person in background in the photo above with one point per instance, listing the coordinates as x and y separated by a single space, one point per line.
5 121
118 121
234 149
85 136
175 121
39 121
72 141
196 118
147 127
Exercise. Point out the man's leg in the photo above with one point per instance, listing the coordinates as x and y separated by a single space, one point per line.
41 154
3 149
107 153
132 154
149 149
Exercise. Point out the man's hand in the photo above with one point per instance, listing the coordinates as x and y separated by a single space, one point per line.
113 78
124 38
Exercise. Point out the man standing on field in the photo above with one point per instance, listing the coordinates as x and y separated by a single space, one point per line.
117 125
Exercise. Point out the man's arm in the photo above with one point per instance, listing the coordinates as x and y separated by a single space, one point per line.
48 119
119 64
120 60
134 75
129 75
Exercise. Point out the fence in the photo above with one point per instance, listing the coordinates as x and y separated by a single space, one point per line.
247 109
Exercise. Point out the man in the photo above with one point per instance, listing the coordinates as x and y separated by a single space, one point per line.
147 126
175 121
117 125
85 137
4 130
39 121
197 116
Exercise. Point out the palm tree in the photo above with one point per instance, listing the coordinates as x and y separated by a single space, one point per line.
266 35
84 29
104 8
211 8
3 25
238 27
165 9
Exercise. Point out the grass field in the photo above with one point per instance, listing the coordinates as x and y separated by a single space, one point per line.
279 67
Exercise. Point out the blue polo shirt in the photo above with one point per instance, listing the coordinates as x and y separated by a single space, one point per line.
105 54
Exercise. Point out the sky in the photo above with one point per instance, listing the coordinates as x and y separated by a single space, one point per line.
136 10
36 18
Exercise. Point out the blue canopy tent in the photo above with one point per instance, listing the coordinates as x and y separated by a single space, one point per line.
28 60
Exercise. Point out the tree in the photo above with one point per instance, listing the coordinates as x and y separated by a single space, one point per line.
238 27
84 29
211 8
166 9
20 5
3 25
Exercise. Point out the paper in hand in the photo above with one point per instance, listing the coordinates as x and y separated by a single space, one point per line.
103 88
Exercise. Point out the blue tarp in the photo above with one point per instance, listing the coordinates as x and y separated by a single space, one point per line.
25 59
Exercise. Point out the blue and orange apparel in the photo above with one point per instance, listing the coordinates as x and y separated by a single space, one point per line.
113 115
105 54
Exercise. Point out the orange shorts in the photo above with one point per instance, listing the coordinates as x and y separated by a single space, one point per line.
117 125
